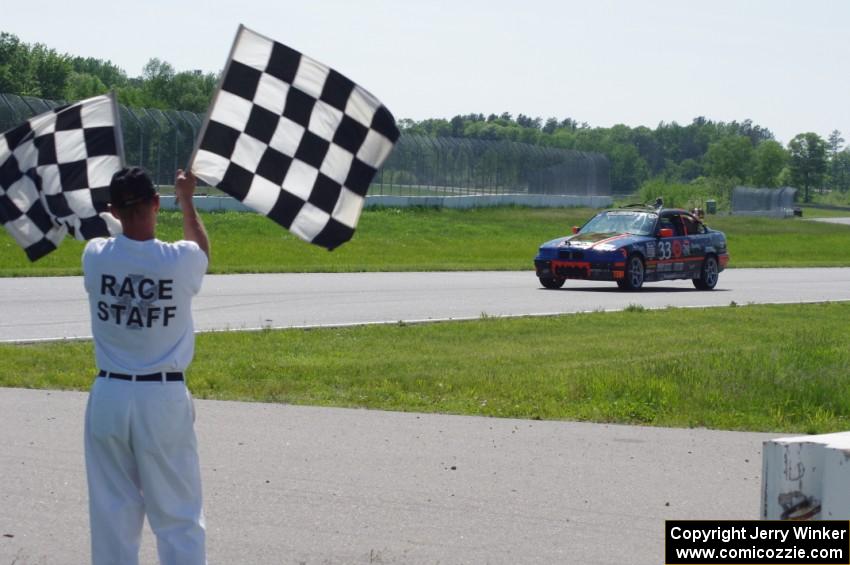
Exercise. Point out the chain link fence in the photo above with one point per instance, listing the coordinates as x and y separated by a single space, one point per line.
449 166
778 202
161 141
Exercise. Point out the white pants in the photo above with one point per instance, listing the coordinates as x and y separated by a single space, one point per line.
142 458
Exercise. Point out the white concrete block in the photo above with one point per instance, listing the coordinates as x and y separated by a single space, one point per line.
806 478
836 478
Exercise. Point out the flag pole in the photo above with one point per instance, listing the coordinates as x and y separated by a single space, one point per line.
119 132
224 72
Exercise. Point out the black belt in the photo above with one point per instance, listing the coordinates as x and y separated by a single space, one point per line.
149 378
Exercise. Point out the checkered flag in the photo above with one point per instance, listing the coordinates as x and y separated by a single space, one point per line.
55 171
293 139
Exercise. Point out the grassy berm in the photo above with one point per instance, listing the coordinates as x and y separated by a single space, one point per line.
424 239
760 368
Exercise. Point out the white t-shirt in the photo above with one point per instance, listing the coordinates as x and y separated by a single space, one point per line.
140 296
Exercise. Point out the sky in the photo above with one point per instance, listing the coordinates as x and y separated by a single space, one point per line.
782 64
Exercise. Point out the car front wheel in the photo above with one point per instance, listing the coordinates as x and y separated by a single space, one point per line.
552 282
708 274
634 275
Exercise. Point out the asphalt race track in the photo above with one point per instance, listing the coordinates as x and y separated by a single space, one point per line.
56 308
289 484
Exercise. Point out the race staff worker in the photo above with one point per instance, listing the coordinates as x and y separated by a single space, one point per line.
140 446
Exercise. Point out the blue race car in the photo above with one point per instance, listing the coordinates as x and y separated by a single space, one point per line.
633 245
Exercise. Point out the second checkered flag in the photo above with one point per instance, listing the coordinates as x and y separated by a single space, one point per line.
293 139
55 171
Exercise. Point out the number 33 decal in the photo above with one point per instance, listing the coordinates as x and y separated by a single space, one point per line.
665 250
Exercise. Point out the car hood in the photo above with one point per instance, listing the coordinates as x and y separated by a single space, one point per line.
595 240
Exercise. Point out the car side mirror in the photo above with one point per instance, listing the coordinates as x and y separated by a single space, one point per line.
665 232
575 229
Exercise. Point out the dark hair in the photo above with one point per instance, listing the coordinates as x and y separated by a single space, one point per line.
130 186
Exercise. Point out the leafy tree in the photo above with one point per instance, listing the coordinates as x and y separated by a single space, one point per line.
628 169
132 95
691 169
50 72
528 122
756 133
528 135
669 137
568 123
191 91
563 138
83 85
768 161
807 162
730 157
405 124
457 126
840 175
15 76
110 75
31 70
157 83
649 148
686 171
833 145
37 70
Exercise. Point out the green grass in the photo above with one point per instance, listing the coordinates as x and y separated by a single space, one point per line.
426 239
766 368
409 239
814 212
834 197
771 242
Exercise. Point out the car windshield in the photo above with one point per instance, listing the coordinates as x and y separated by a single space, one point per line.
621 221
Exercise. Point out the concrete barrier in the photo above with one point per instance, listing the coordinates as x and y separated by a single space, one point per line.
211 203
482 201
778 213
806 478
206 203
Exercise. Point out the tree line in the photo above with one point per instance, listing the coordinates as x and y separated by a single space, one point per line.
728 153
36 70
721 154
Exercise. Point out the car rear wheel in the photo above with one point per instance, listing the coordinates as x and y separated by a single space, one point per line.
708 274
552 282
634 275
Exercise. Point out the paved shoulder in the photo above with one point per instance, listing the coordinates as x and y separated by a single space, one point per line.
288 484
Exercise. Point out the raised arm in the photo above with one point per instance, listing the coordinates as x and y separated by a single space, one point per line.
193 226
